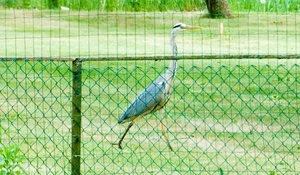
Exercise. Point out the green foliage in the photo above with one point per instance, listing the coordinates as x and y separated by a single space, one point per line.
108 5
151 5
265 5
10 160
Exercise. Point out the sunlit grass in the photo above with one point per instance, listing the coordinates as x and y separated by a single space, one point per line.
92 34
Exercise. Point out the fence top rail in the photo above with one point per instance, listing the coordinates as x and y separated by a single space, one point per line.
126 58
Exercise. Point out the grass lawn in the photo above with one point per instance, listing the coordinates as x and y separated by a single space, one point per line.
225 116
92 34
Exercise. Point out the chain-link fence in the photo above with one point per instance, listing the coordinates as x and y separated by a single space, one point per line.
234 108
222 118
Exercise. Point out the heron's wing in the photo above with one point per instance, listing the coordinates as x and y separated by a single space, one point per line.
146 102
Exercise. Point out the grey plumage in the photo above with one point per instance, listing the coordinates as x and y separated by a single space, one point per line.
152 98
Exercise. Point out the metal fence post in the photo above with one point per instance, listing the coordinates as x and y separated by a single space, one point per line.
76 117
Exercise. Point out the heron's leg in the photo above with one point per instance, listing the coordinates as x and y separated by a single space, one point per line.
163 131
119 143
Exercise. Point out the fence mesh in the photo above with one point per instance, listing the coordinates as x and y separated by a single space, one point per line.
225 116
236 119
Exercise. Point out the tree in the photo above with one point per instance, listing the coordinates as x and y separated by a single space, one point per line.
218 8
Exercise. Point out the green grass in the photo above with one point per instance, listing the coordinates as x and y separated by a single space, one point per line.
225 116
213 120
92 34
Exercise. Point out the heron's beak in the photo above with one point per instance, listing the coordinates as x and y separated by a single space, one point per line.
191 27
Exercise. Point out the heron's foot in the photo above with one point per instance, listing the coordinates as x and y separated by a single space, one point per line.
119 145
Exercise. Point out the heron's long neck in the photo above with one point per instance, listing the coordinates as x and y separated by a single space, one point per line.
173 63
173 44
172 69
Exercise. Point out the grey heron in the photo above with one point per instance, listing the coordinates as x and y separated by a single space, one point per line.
155 96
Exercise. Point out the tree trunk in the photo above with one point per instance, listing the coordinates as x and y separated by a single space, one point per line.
218 8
